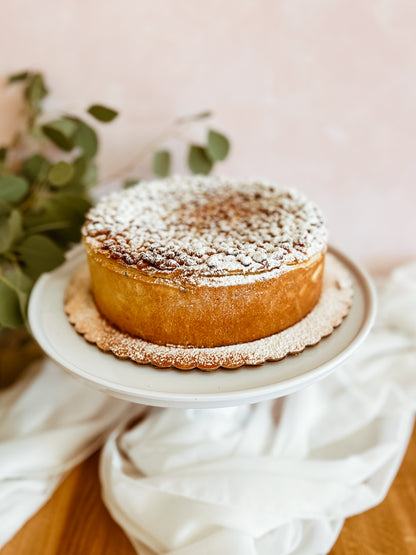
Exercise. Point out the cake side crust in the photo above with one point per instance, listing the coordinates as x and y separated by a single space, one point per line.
205 313
333 305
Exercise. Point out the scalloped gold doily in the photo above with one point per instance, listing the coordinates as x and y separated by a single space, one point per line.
332 307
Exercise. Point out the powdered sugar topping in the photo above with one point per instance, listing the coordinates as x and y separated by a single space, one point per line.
206 226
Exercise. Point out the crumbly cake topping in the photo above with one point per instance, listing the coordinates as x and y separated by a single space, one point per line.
332 307
206 226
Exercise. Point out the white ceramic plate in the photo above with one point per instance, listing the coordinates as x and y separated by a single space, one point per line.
192 389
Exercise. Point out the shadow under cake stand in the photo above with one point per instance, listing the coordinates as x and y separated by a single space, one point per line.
193 389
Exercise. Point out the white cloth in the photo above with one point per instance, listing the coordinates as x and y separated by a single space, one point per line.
277 477
48 423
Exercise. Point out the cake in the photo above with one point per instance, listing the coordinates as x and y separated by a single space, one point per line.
205 261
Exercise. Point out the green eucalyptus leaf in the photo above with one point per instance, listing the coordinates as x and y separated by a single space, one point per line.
10 313
35 91
161 163
59 206
85 138
46 218
61 174
39 254
76 185
15 77
19 280
35 168
10 230
23 304
13 188
102 113
61 132
60 217
71 208
218 145
43 215
90 177
15 225
22 285
5 236
198 161
130 182
80 166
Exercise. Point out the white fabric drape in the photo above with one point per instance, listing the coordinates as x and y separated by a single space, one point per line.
276 477
48 423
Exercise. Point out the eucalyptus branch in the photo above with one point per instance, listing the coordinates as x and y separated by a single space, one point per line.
168 133
141 154
44 195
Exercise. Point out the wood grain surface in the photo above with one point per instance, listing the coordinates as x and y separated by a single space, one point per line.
75 521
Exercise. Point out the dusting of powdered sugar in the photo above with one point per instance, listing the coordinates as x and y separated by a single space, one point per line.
332 307
206 226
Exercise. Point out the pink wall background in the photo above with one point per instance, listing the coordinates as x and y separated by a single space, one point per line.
320 95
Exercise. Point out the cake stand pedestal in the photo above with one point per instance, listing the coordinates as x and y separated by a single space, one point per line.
193 389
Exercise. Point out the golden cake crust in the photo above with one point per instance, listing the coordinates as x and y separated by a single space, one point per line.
205 262
332 307
209 314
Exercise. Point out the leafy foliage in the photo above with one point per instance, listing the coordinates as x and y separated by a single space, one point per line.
101 113
218 145
13 188
201 159
10 230
161 163
10 312
43 196
61 173
86 139
198 160
39 254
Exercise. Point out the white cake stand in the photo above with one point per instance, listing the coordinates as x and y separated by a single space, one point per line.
192 389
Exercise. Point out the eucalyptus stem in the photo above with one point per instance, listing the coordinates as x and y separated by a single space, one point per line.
63 224
147 149
150 147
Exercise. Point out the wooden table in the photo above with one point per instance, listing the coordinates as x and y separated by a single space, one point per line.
75 521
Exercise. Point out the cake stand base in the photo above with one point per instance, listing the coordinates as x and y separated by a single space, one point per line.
194 389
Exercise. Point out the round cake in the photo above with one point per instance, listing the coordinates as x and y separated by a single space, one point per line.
205 261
